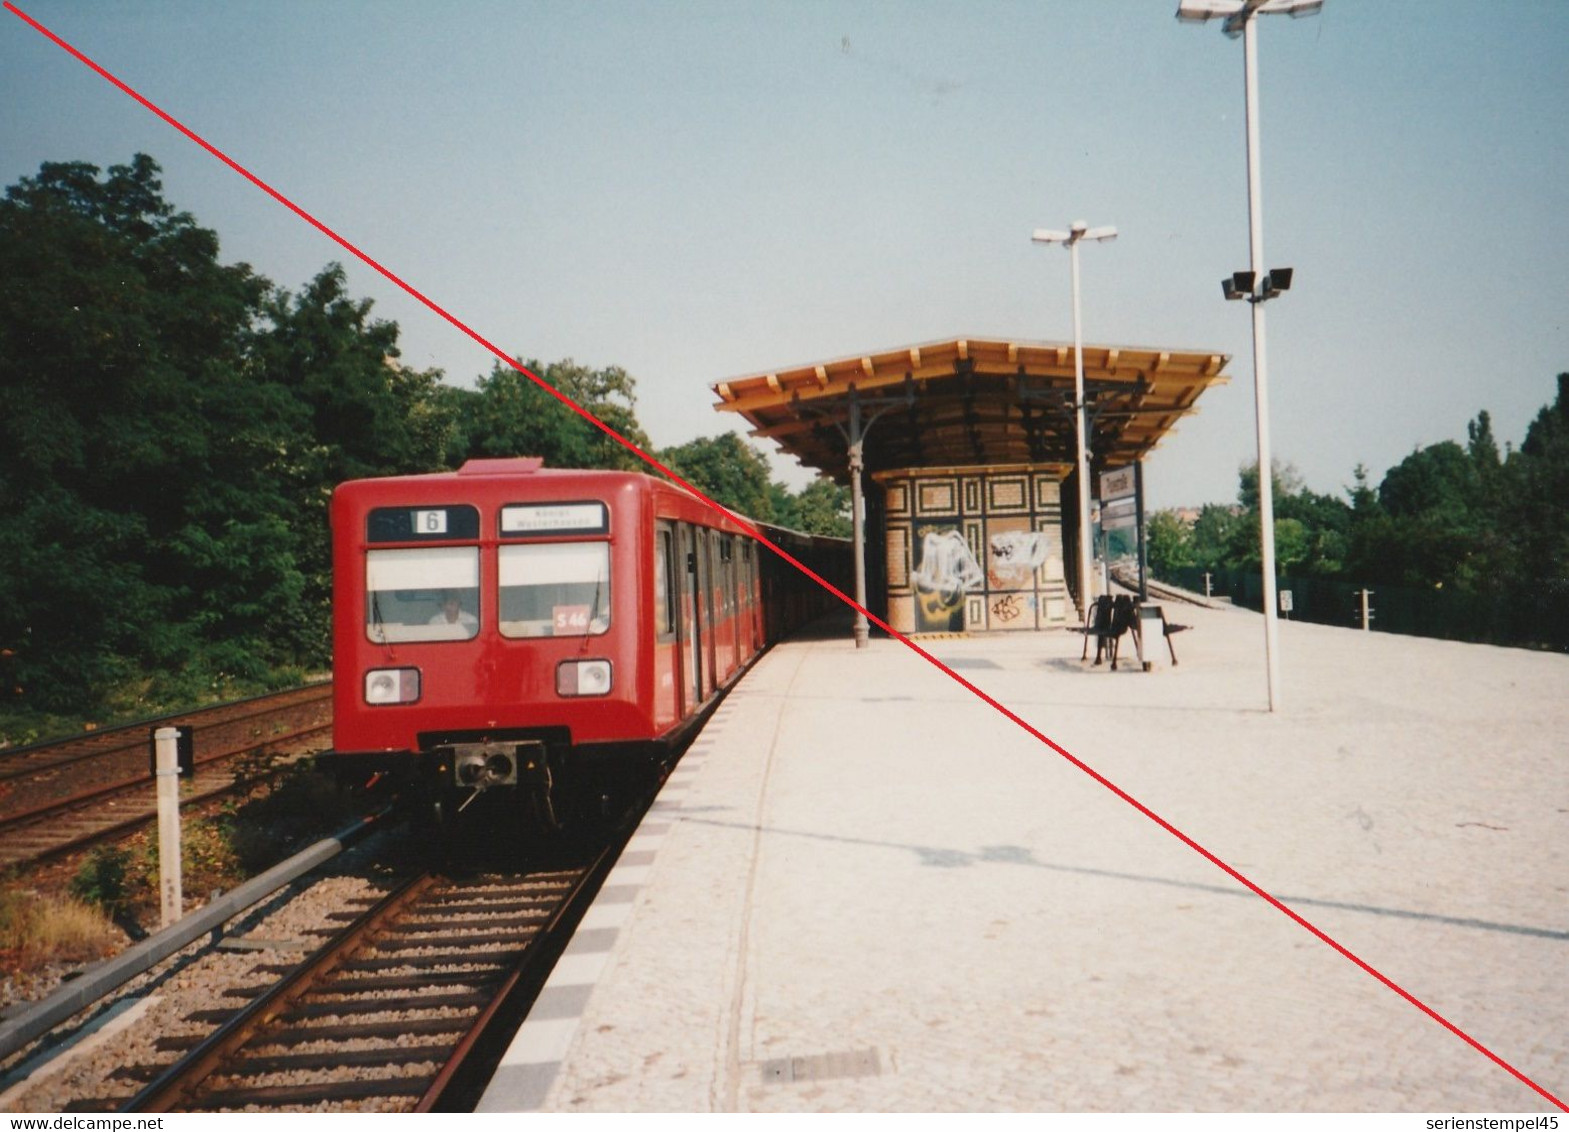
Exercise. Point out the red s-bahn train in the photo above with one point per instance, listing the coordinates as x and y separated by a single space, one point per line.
528 633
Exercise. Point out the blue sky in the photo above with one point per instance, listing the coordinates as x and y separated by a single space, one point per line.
696 191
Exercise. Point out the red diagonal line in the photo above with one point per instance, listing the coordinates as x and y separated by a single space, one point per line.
751 530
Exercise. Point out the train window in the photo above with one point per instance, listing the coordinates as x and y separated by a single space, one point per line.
424 593
664 594
556 589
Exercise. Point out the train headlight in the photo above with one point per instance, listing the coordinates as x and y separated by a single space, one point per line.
583 678
392 685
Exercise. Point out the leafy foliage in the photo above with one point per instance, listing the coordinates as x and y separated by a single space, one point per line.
1449 518
175 426
726 469
508 414
822 508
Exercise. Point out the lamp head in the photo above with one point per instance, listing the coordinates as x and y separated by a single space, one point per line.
1239 285
1237 13
1278 280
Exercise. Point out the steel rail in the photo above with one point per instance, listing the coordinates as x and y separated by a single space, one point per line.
135 732
175 1084
518 990
105 978
28 819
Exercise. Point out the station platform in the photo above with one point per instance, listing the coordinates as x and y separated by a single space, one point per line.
863 889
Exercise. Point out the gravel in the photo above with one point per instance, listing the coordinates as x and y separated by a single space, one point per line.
79 1063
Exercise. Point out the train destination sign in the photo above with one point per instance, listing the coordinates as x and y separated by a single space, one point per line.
555 519
417 524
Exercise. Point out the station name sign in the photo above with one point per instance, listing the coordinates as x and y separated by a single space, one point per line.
1116 485
555 519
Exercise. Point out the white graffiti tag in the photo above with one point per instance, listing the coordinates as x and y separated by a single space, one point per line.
1016 555
947 566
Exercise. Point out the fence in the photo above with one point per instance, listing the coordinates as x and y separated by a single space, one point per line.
1529 619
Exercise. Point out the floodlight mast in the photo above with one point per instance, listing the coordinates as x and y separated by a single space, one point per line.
1239 15
1078 231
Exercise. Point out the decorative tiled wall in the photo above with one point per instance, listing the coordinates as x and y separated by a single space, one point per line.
974 548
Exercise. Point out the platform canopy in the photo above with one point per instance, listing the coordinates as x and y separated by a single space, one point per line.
972 401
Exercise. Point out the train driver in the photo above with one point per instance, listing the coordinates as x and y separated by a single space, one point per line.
462 623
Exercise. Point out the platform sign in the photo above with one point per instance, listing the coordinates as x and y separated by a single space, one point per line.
1119 515
1119 484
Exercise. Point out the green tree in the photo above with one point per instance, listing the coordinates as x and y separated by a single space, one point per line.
1215 532
508 414
1439 521
728 470
1541 491
173 429
1312 531
784 507
823 508
118 326
1364 500
325 376
1169 544
1438 482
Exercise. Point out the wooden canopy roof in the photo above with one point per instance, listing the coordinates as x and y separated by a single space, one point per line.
974 401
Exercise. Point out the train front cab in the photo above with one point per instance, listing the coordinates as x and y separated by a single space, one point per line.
597 615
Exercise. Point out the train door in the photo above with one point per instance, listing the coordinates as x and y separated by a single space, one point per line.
668 661
733 599
691 622
749 595
705 579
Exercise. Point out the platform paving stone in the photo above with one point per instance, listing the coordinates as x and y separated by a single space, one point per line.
870 891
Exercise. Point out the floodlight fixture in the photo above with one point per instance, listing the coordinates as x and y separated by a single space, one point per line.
1239 284
1278 280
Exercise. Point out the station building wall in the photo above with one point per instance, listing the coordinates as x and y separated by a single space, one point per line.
974 548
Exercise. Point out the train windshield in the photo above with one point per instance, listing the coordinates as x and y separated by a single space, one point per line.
559 589
427 593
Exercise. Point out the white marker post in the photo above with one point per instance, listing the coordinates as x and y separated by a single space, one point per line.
166 744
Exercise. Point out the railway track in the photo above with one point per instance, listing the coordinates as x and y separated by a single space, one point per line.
58 798
404 1009
1129 580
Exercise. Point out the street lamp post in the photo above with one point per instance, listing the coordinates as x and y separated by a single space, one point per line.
1079 230
1238 15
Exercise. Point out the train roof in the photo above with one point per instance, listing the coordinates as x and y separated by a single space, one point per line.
520 478
513 468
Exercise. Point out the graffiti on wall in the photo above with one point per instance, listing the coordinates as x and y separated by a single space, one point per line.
1015 556
1008 608
947 570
